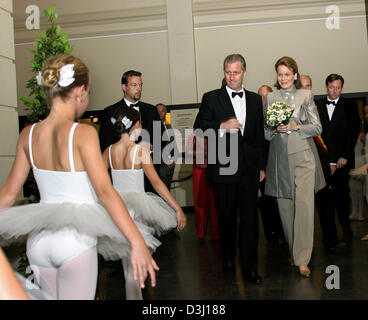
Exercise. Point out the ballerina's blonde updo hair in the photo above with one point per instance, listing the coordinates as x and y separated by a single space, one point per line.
51 75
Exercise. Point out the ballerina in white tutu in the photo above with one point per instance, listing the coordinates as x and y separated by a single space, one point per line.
69 225
128 163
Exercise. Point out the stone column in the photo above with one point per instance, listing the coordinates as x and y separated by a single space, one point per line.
9 128
181 51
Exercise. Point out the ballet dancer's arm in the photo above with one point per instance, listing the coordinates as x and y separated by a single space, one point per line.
10 287
18 173
160 187
105 157
87 143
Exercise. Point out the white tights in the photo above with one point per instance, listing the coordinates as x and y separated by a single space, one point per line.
65 264
133 290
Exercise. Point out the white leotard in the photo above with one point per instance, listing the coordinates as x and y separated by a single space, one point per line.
49 249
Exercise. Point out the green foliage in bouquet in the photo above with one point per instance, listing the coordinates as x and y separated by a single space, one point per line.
277 113
51 43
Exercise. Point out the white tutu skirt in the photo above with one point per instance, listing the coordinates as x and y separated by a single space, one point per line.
90 219
151 210
33 291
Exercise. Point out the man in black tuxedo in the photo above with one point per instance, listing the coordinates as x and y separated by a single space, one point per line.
340 129
232 119
324 197
131 83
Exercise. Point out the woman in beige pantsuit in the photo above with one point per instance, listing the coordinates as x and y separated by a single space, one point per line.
293 171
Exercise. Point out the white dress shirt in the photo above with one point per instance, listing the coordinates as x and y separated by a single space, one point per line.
330 110
239 108
238 105
129 104
331 107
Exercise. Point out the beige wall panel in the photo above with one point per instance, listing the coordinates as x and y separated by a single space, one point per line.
8 91
7 5
9 130
5 166
107 59
83 6
95 18
218 12
317 50
7 34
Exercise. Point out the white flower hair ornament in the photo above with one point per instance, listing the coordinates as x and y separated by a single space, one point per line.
127 123
66 75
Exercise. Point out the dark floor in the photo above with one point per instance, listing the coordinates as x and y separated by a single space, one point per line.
191 269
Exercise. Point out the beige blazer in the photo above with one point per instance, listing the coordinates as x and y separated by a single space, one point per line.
278 182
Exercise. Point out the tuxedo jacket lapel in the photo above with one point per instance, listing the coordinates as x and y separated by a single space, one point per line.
324 113
248 109
226 103
338 112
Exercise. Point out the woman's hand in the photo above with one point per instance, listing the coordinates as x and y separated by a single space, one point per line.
284 128
181 219
143 264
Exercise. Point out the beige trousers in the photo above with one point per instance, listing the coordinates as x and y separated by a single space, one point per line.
297 214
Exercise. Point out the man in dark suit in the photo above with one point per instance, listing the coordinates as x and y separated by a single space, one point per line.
131 83
340 129
232 119
324 197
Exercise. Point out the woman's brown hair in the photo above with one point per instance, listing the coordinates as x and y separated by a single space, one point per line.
290 63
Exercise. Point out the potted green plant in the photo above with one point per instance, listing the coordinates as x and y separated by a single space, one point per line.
50 43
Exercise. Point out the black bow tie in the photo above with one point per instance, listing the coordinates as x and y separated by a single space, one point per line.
240 94
135 105
331 102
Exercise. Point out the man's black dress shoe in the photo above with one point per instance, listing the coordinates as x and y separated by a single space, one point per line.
228 265
336 247
253 277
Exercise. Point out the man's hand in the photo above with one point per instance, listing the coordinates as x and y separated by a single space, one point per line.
333 168
171 165
262 175
231 125
341 163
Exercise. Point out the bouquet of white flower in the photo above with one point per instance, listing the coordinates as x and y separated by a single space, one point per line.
276 114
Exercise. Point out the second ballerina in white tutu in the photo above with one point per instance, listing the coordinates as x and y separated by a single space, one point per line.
128 163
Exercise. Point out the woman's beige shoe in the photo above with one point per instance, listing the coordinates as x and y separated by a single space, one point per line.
304 271
365 238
